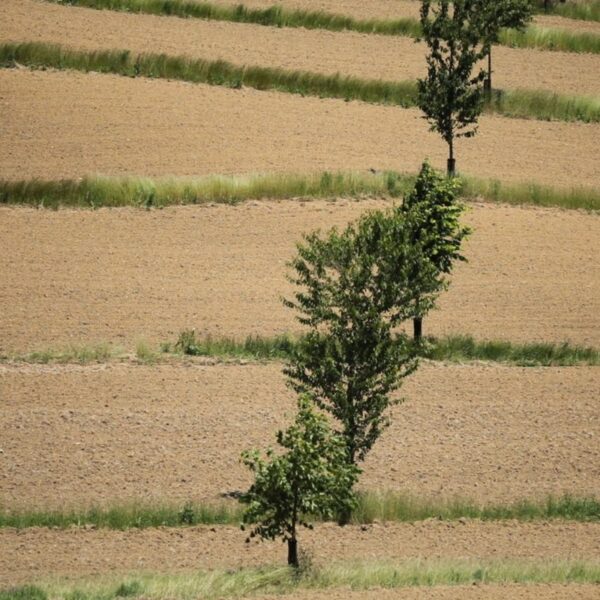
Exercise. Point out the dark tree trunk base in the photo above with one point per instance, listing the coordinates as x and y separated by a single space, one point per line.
451 167
417 329
293 553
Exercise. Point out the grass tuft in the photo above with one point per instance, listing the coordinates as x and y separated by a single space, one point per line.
26 592
83 354
278 16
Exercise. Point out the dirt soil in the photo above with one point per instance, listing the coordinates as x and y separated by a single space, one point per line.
119 275
102 434
31 553
486 592
59 125
361 55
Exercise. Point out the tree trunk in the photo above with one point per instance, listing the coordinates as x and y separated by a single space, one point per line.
418 329
487 82
293 553
451 161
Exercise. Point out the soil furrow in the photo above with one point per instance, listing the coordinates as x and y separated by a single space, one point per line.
31 554
118 275
100 435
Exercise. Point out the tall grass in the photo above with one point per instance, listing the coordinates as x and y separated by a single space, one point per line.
278 16
586 10
551 39
372 506
355 575
95 192
516 103
451 348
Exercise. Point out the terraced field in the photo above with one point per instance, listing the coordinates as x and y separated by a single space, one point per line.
170 429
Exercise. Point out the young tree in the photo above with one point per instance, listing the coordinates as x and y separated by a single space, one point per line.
350 297
451 96
490 17
433 215
312 477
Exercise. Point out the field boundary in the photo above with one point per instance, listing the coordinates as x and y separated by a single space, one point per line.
525 104
349 575
372 507
277 16
454 349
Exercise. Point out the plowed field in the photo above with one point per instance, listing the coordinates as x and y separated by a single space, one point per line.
120 275
92 552
366 56
74 436
59 124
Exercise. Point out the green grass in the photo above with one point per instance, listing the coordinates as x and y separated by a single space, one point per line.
352 575
95 192
586 10
456 348
372 506
450 348
534 104
551 39
277 16
82 354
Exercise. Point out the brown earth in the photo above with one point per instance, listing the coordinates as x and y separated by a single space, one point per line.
486 592
366 56
397 9
31 554
118 275
113 433
58 124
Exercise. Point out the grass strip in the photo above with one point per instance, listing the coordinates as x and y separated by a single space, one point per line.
282 580
455 348
584 10
372 507
536 104
278 16
96 192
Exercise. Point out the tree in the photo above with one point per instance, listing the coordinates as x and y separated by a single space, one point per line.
451 96
433 215
355 288
490 17
312 478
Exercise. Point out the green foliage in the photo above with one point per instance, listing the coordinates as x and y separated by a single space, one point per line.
433 216
311 478
128 589
354 288
490 16
451 96
26 592
544 38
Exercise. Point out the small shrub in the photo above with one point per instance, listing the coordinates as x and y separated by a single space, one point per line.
187 343
126 590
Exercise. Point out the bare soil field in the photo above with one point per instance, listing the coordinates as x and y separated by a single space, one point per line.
113 433
60 124
120 275
487 592
366 56
31 554
397 9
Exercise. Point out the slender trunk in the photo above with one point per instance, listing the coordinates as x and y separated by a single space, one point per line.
418 329
487 83
451 161
293 542
293 553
